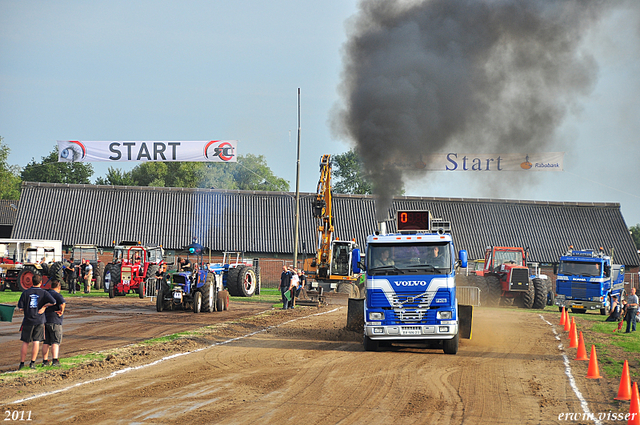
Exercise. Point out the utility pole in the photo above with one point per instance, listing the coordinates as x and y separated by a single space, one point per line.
297 224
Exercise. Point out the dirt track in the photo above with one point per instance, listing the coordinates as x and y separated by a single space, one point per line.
310 370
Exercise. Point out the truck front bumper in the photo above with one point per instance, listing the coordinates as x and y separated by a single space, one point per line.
411 332
579 304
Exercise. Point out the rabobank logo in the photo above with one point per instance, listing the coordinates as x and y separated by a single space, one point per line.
526 165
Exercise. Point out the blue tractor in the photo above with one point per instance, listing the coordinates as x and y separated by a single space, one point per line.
197 288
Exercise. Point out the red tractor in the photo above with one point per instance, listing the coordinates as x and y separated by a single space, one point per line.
132 270
506 279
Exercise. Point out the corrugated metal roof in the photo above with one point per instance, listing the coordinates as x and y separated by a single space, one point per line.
263 222
8 211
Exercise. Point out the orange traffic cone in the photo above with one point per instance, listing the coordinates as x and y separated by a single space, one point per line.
624 390
594 371
567 322
582 352
573 334
562 318
634 408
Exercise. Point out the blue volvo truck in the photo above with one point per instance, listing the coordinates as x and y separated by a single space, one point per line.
411 287
587 280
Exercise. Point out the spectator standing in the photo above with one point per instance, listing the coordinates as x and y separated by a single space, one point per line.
53 326
632 310
293 286
87 274
33 302
302 287
614 316
285 281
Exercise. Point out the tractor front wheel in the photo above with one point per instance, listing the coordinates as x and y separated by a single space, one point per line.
197 302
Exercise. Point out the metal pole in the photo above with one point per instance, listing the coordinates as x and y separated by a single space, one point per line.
295 244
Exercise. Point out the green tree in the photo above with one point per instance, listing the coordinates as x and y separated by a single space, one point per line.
116 177
349 174
49 170
9 179
635 234
251 172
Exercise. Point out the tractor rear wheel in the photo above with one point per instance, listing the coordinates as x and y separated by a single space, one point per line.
56 272
492 289
540 299
232 280
100 275
247 281
529 297
25 278
159 300
114 279
197 302
209 294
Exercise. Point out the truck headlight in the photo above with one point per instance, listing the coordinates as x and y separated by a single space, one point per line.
376 315
443 315
596 299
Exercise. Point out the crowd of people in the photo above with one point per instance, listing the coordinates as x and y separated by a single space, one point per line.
292 282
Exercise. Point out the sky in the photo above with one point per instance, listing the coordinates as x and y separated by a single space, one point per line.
209 70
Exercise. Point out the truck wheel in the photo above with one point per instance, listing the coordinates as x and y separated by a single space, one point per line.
160 300
529 297
492 290
247 282
370 344
209 294
25 278
197 302
450 346
540 299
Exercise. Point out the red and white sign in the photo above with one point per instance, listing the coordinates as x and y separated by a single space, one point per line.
162 151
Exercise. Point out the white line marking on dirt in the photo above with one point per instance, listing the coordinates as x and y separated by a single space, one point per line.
173 356
567 371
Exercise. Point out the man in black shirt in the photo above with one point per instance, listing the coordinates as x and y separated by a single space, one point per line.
33 302
53 326
285 281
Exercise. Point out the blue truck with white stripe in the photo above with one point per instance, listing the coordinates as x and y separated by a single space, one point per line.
587 280
411 288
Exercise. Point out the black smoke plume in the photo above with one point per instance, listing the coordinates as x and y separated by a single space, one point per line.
483 76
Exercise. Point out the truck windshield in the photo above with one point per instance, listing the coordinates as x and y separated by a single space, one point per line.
579 268
409 259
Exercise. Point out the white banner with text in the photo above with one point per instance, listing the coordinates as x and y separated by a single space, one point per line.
453 161
127 151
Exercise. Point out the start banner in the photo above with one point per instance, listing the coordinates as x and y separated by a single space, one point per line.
204 151
453 161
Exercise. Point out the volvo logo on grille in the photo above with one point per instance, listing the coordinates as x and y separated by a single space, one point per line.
412 283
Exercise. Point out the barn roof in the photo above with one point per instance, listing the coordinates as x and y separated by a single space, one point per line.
8 211
263 222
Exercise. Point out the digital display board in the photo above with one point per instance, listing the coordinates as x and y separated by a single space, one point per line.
413 220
